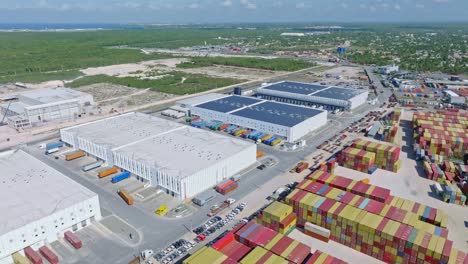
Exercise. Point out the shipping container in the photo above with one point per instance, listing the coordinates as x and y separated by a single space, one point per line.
49 255
227 187
107 172
75 155
50 151
19 259
260 154
32 255
54 145
126 197
301 166
204 198
73 239
120 177
92 166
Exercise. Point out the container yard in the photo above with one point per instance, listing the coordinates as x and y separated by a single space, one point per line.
255 243
326 97
378 224
179 159
52 197
261 120
440 147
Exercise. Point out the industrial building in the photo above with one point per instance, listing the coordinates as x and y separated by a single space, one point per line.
179 159
39 204
289 121
37 107
454 97
328 97
388 69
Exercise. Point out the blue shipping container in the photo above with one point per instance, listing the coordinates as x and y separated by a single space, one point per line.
50 146
122 176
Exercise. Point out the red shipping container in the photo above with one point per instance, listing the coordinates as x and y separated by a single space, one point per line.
49 255
73 239
224 241
32 255
235 250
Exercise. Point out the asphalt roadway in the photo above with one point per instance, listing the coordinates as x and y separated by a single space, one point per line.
156 232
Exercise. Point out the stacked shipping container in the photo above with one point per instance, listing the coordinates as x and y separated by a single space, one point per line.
443 133
358 159
370 233
322 258
387 157
279 217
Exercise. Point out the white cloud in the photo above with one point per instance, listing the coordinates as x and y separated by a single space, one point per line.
397 7
226 3
278 4
420 6
247 4
194 6
344 5
385 5
363 6
440 1
300 5
372 8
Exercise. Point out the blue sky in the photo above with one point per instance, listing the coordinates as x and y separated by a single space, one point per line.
213 11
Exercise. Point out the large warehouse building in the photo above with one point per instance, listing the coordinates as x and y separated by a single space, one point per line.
39 204
286 120
180 159
40 106
330 97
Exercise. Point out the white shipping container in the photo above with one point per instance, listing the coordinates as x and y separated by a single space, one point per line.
317 229
50 151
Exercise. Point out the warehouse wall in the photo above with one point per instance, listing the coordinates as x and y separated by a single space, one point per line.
309 125
55 111
46 230
209 177
139 168
242 121
359 100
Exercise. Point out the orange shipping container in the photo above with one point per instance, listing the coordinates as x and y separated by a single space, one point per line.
260 154
107 172
75 155
126 197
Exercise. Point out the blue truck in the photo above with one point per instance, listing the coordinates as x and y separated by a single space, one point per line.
120 177
54 145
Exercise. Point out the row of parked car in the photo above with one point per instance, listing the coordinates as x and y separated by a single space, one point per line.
173 251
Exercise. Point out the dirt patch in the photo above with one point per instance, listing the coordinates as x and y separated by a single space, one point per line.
133 69
105 91
233 72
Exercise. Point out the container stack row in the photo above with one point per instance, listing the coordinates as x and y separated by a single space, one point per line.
279 217
387 156
322 258
383 195
358 159
414 219
390 133
442 133
370 233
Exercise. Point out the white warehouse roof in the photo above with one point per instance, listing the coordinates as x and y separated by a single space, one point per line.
52 95
184 151
32 193
117 131
172 147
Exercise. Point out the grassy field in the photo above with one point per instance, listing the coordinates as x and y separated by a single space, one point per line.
175 83
258 63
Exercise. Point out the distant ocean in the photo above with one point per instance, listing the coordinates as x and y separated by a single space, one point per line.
52 27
